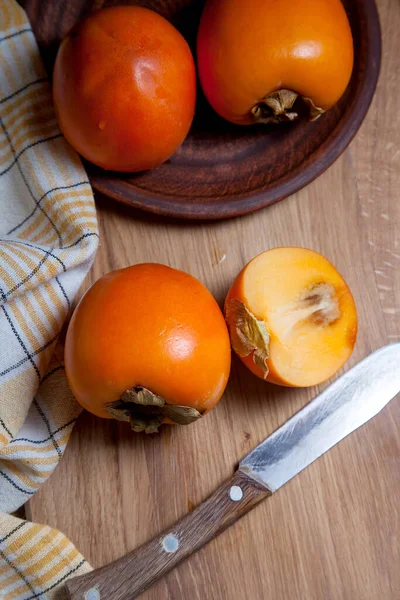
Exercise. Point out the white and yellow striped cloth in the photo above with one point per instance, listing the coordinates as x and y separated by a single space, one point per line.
48 238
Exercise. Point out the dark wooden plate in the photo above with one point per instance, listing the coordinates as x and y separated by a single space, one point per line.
223 170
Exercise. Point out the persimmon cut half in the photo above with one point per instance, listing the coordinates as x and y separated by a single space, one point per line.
291 316
148 345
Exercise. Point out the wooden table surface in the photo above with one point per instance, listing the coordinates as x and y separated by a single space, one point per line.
332 532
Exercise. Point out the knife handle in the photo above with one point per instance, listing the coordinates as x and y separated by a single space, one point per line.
127 577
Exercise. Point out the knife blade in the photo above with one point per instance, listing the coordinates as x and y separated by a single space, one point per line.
340 409
344 406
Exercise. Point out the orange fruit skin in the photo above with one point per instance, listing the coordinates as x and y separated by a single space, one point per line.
249 49
124 88
348 333
148 325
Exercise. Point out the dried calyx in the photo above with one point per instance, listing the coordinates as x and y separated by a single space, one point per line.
146 411
285 105
248 334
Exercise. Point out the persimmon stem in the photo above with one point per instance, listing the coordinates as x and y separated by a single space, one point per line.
284 105
146 411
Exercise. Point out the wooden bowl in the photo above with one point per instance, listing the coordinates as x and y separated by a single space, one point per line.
223 170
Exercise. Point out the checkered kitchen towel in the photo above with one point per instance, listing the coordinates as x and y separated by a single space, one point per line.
48 238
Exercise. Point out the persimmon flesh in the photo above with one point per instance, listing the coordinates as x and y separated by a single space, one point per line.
263 60
124 88
291 317
148 344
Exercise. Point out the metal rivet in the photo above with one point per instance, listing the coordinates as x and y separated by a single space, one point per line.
236 493
170 543
92 594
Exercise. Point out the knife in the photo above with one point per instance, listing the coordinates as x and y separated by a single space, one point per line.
345 405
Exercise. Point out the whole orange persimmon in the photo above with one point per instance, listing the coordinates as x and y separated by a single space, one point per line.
148 344
291 316
263 60
124 88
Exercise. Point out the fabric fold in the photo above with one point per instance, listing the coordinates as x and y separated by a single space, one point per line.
48 239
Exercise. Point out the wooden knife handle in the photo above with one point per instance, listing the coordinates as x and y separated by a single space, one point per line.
129 576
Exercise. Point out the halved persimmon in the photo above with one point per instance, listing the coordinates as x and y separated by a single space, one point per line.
148 344
291 317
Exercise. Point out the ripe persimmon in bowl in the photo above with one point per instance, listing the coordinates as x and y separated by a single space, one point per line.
124 88
261 60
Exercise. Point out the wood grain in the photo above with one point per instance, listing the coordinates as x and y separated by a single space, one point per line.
333 532
132 574
223 170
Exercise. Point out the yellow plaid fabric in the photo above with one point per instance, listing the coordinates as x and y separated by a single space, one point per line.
48 238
